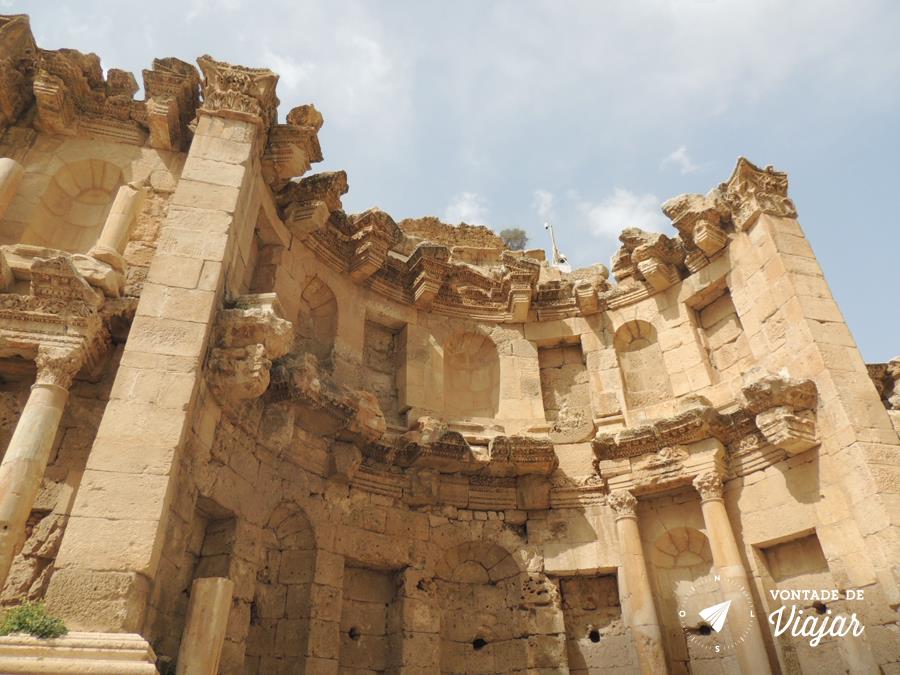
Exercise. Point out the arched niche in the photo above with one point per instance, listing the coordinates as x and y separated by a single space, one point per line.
641 362
317 322
70 214
471 376
481 593
280 612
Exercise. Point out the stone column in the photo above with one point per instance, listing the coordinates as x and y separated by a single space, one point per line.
636 595
114 235
204 628
11 173
751 651
29 449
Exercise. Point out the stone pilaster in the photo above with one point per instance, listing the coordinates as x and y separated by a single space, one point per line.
751 652
29 449
636 595
413 627
109 557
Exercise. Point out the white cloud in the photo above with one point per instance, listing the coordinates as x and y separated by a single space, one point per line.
622 209
467 207
543 204
291 72
681 159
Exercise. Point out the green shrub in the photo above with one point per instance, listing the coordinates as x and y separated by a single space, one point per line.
32 618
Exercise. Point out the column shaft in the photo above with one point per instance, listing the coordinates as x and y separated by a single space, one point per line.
114 235
23 466
636 595
11 173
751 651
204 628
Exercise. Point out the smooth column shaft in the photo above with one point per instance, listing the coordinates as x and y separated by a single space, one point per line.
637 598
204 628
114 234
751 652
24 464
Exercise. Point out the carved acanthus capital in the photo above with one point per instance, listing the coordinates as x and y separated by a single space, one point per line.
752 191
623 503
17 58
238 92
709 485
58 365
173 94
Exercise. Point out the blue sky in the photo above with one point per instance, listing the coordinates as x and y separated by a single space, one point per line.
587 113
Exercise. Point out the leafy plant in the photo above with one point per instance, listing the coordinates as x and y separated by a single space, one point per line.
32 618
515 238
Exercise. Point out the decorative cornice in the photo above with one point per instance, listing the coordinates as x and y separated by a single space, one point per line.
247 338
172 87
292 147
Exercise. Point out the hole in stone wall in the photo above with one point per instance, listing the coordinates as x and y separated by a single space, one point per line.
353 633
820 607
594 635
704 629
479 643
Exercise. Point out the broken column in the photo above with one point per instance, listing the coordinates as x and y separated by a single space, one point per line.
204 628
114 235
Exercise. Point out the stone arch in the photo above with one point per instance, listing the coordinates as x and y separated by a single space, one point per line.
280 612
641 362
477 562
317 322
681 556
72 210
471 376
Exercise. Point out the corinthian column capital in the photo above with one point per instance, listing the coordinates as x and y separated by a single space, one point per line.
709 485
58 365
623 503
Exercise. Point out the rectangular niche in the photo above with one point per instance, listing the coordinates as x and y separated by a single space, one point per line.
382 350
367 596
800 564
564 382
597 639
723 335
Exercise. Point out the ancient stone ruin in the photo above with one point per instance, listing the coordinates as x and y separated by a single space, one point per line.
244 431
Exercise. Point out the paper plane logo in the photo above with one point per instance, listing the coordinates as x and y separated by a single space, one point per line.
715 615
